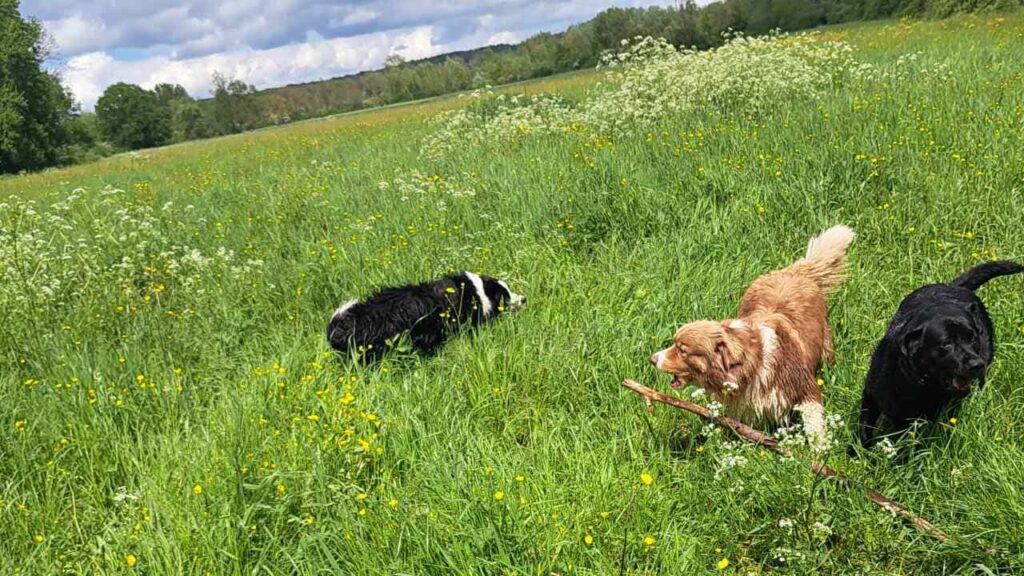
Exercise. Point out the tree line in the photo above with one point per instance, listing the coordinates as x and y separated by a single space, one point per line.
40 126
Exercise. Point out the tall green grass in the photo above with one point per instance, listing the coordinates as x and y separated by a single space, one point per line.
170 404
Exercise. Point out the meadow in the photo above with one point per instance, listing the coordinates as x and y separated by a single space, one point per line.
170 405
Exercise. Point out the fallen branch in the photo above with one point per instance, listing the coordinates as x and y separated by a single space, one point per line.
772 444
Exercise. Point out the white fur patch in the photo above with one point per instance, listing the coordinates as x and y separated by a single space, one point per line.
486 306
344 308
738 325
769 346
813 416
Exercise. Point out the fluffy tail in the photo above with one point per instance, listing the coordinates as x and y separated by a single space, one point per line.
825 262
975 277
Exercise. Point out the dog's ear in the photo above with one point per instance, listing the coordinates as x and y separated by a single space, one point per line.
912 342
724 358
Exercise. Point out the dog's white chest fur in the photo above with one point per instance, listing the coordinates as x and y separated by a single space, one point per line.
760 401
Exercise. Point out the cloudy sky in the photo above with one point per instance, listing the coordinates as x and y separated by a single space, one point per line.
275 42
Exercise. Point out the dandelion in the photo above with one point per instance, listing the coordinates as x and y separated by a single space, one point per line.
588 540
952 421
38 538
722 564
130 560
362 496
649 540
393 503
519 478
499 496
646 479
362 512
820 382
19 425
280 489
197 489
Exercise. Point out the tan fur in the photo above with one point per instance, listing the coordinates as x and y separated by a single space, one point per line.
782 315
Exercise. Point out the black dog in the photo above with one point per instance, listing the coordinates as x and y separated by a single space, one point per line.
937 345
430 311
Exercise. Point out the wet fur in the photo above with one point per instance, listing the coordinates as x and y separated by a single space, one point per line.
431 312
771 352
939 342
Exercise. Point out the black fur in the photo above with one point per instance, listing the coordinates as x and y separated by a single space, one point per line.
937 345
430 312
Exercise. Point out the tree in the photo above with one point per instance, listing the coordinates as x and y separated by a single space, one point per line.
167 93
131 117
234 106
33 103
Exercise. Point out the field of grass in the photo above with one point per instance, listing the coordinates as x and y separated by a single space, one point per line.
168 403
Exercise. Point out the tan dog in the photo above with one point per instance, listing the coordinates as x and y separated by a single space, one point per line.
763 365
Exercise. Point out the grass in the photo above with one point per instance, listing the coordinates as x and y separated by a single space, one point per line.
170 404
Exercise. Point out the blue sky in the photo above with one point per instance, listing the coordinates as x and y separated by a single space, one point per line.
274 42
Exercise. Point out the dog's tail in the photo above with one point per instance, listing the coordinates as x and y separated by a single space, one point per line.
975 277
825 262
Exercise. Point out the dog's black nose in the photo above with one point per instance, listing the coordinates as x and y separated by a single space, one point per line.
524 300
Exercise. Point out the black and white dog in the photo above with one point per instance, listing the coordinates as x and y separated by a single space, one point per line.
430 311
939 343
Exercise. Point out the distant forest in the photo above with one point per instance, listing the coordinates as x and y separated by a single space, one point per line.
129 117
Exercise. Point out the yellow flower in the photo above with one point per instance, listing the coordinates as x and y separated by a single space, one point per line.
499 496
450 290
722 564
393 503
130 560
140 378
605 515
197 489
588 539
19 424
38 538
362 496
820 382
646 478
362 511
648 540
519 478
952 421
280 489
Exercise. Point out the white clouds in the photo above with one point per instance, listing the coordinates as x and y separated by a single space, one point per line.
88 75
274 42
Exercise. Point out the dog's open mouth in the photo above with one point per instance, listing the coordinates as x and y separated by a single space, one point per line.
677 382
962 384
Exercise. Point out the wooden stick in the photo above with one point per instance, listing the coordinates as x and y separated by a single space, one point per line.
772 444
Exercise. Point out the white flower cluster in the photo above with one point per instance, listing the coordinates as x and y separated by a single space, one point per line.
497 121
54 256
652 80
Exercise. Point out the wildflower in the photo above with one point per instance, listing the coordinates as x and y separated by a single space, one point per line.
722 564
280 489
519 478
362 512
393 503
646 479
605 515
130 560
19 425
820 382
197 489
952 421
649 540
362 496
499 496
588 540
